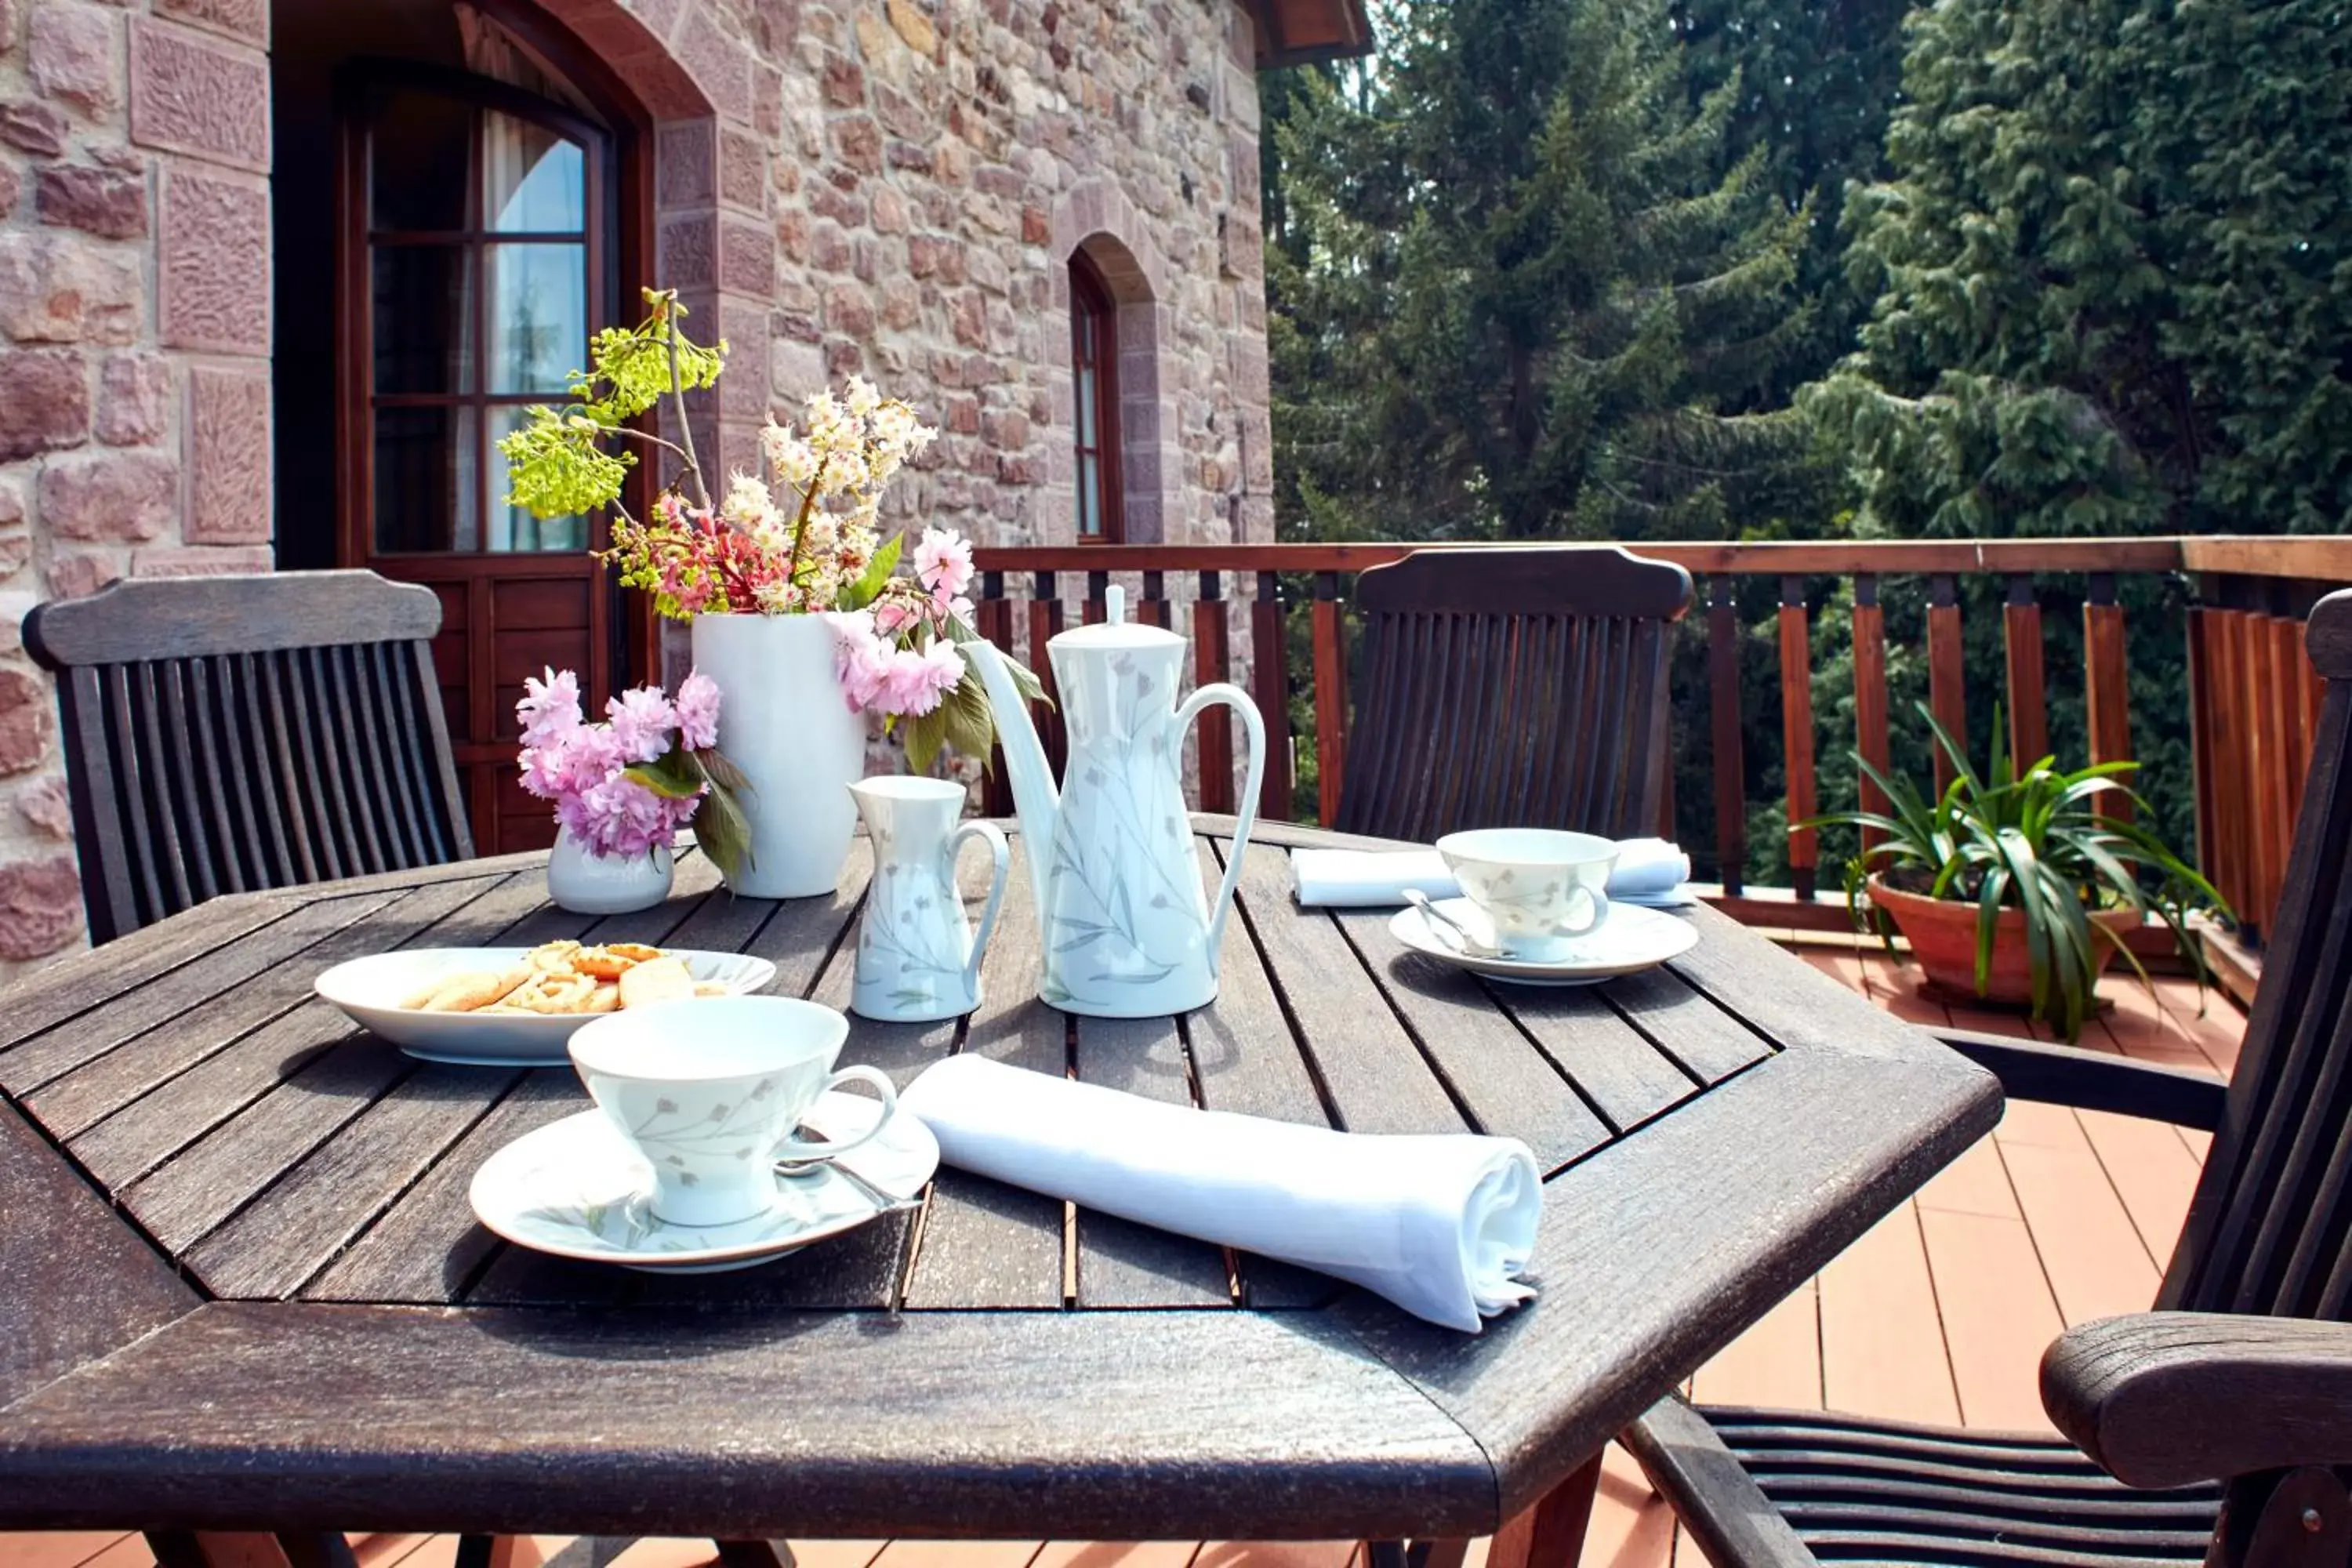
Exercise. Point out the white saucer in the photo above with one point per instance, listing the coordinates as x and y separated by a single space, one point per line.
575 1188
1631 939
370 989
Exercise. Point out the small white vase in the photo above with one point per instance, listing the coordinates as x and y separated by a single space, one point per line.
587 883
782 721
918 956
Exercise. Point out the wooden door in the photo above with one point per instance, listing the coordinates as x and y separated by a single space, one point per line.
478 255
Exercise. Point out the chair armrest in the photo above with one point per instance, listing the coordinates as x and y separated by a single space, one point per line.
2094 1080
1717 1502
2163 1399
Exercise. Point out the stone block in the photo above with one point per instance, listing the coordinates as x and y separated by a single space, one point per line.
720 65
849 310
244 20
110 203
742 170
216 263
69 53
685 170
135 400
39 129
689 251
914 25
120 496
201 561
40 907
190 94
888 210
74 574
46 809
858 139
59 287
44 402
844 83
747 259
228 456
23 720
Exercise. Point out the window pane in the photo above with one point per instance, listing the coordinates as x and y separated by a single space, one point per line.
1089 496
424 318
427 482
512 528
536 181
420 145
539 315
1087 395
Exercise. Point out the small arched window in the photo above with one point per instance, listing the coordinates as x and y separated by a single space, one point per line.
1093 369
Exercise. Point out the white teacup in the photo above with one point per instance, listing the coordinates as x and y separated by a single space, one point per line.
711 1092
1539 887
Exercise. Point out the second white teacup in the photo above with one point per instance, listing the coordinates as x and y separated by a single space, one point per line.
711 1092
1539 887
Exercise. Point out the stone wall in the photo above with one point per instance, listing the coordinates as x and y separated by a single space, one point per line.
134 397
890 187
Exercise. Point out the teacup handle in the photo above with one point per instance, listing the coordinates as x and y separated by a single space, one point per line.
880 1083
988 833
1597 902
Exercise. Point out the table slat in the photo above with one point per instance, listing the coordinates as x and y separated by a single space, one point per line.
1508 1086
83 982
1120 1263
1706 1042
984 1244
1626 1079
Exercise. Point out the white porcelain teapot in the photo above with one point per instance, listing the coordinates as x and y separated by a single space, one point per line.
1122 919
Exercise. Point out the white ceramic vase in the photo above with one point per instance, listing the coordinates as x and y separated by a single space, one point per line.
782 720
587 883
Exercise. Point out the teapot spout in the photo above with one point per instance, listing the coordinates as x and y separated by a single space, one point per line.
1034 798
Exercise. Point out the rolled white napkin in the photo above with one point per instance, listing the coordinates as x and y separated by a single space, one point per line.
1647 869
1440 1224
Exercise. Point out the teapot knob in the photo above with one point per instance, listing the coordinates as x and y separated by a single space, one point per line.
1115 604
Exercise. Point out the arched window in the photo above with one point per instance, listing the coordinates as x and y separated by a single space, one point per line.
1094 371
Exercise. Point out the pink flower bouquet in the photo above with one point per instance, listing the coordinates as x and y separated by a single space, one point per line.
626 786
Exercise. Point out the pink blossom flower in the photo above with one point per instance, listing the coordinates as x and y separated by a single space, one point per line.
944 562
548 706
642 721
697 711
919 679
892 616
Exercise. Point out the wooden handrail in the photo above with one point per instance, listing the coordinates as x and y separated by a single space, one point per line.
2252 690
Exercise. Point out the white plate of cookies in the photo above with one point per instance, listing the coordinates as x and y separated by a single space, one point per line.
517 1006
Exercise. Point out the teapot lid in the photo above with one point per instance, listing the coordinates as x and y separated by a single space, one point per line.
1115 632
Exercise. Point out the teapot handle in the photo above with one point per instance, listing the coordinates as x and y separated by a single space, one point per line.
990 835
1224 694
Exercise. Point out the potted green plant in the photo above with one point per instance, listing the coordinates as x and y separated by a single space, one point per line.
2018 886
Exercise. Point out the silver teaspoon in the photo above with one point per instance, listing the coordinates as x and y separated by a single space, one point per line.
884 1202
1465 939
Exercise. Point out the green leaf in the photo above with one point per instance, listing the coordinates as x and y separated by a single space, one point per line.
867 589
673 776
724 833
924 735
971 723
722 771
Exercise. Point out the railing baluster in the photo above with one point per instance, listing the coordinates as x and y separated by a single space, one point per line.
1330 698
1091 612
1797 735
1270 684
2272 826
1153 611
2204 691
2295 751
995 614
1213 661
2106 681
2029 717
1723 702
1947 671
1045 620
1870 733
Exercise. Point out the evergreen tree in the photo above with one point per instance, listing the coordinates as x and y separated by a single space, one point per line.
2115 273
1520 289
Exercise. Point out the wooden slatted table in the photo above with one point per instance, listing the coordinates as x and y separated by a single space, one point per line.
240 1287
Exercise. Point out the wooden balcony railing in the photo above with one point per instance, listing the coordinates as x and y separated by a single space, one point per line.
2252 695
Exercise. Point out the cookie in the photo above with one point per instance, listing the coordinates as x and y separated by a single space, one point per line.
659 979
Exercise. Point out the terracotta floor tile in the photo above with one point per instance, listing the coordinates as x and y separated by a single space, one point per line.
1882 1343
1997 1313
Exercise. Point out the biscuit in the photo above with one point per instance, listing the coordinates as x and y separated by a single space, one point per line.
657 980
602 962
605 998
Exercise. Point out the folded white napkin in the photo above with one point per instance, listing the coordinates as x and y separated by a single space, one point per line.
1440 1224
1647 869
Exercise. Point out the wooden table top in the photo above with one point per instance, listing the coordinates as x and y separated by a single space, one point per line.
250 1293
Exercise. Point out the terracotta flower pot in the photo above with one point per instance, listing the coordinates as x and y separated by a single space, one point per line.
1943 937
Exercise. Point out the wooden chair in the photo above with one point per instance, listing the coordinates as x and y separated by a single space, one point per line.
2233 1398
1521 688
228 734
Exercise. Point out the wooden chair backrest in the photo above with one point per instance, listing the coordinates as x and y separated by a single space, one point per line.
2270 1229
229 734
1521 688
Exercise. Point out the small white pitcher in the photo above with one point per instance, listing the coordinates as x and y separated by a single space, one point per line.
918 958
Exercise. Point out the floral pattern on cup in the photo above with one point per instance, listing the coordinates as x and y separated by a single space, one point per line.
1539 888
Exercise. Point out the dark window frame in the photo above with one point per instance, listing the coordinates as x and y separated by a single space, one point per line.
1093 347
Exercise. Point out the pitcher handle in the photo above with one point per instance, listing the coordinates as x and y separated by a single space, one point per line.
1224 694
988 833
